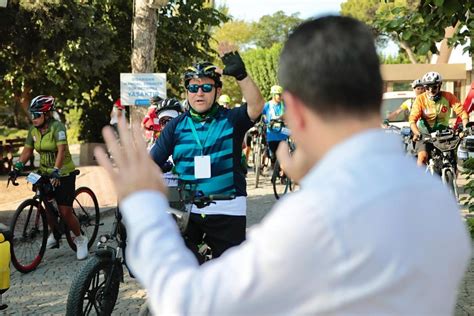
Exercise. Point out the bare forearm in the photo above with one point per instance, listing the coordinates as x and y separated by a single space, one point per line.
414 129
253 96
393 115
60 157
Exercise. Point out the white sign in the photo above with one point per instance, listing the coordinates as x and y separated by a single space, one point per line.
138 88
3 3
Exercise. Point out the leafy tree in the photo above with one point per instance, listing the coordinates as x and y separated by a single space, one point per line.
49 48
183 37
76 50
426 25
262 64
376 14
238 32
271 29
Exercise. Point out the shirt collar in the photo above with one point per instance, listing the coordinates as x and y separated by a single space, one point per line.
353 151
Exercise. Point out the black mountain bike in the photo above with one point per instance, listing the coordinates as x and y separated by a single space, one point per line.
95 288
29 227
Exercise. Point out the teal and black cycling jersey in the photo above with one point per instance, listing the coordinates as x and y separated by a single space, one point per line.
221 137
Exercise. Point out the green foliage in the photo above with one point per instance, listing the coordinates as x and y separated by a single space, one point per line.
262 64
184 37
237 32
260 44
275 28
75 50
73 124
423 27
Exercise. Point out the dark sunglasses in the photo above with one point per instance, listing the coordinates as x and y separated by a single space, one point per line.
194 88
35 115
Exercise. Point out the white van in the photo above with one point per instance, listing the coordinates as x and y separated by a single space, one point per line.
391 101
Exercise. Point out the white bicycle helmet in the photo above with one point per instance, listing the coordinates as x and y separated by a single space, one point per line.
432 77
416 83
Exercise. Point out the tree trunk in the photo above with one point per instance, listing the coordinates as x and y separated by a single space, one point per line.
409 52
144 40
144 37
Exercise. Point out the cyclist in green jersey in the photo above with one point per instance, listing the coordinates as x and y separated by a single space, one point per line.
48 137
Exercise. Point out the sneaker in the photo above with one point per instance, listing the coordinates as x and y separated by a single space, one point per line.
52 242
81 247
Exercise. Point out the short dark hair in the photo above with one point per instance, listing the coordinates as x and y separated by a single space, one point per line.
331 64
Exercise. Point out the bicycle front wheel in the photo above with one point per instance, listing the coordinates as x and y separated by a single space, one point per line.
95 289
29 234
86 209
450 180
281 183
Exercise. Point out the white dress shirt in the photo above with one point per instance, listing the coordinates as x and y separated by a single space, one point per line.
369 233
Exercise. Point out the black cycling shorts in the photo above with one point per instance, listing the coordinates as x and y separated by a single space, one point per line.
64 194
220 232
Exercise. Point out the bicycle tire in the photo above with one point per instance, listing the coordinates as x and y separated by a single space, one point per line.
86 294
281 185
28 239
86 209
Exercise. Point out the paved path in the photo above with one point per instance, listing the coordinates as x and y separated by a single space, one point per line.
45 290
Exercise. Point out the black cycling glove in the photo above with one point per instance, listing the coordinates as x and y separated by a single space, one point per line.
234 65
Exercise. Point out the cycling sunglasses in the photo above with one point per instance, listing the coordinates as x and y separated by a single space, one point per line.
35 115
194 88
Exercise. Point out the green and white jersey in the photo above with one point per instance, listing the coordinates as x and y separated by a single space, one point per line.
47 146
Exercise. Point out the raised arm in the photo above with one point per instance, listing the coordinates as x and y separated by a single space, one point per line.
235 67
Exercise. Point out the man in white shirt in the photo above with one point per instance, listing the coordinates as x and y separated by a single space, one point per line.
359 238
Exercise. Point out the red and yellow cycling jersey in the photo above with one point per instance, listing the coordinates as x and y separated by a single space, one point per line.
436 113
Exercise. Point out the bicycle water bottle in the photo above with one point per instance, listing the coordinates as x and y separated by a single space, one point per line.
4 264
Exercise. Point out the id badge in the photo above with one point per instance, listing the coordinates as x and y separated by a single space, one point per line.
202 167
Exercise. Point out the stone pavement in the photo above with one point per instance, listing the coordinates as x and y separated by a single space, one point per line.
45 290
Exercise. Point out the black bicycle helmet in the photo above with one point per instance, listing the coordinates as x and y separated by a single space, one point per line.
200 70
169 104
42 104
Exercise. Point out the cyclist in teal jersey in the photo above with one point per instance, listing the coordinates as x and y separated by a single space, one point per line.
206 146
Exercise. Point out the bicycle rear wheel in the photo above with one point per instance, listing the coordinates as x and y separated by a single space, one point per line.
86 209
29 234
95 289
281 183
